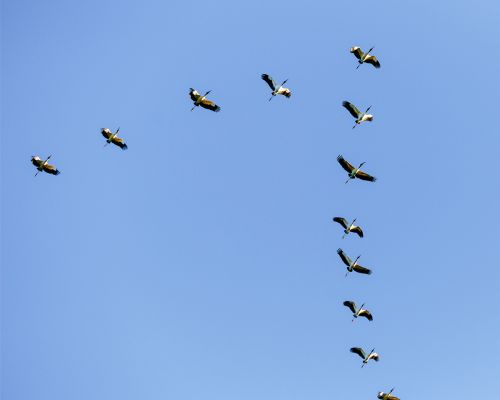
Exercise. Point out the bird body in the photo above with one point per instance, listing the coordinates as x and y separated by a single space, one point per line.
43 165
364 57
348 228
352 265
358 312
113 138
360 116
202 101
276 89
354 172
360 352
387 396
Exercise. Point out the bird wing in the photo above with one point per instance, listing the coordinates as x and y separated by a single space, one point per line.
366 314
359 351
345 258
357 230
348 167
285 92
373 356
362 270
351 305
351 108
365 177
269 81
373 61
50 169
391 397
106 133
36 161
210 105
194 95
341 221
357 52
120 143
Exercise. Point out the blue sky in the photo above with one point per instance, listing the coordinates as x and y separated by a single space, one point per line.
201 263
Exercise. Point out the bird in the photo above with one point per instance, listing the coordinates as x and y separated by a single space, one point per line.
358 312
202 101
349 227
113 138
275 88
387 396
364 57
360 352
355 172
44 165
352 265
360 117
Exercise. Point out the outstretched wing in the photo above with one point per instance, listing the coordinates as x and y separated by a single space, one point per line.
194 95
391 397
269 81
210 105
344 257
348 167
366 314
357 230
351 108
351 305
373 61
341 221
365 177
357 52
36 161
362 270
106 133
50 169
359 351
120 143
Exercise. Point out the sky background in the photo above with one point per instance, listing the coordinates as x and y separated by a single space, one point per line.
201 263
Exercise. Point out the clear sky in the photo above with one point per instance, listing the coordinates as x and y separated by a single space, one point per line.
201 263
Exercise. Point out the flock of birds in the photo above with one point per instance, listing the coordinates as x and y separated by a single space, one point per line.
352 171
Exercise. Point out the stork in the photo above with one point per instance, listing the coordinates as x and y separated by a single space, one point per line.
348 228
358 312
202 101
354 172
360 116
43 165
364 57
360 352
387 396
352 265
113 138
275 88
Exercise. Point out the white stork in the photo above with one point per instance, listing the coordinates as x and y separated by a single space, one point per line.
349 227
387 396
113 138
364 57
360 116
358 312
352 265
43 165
355 172
202 101
275 88
360 352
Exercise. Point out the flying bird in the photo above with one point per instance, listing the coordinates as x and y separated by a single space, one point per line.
355 172
275 88
387 396
43 165
365 57
358 312
360 352
348 227
352 265
113 138
360 116
202 101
